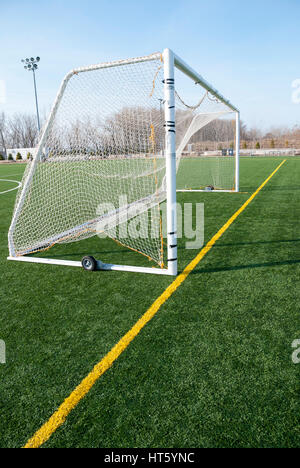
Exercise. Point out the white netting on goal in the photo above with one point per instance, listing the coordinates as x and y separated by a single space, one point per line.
206 131
100 166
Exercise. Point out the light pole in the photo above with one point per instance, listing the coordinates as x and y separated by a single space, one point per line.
32 65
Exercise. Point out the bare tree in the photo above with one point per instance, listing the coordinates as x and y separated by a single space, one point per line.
3 131
22 131
133 130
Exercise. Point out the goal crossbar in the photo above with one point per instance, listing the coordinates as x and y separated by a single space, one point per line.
187 70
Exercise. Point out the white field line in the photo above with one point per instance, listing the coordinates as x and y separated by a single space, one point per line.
20 174
13 181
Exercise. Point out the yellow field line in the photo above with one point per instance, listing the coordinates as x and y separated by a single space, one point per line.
61 414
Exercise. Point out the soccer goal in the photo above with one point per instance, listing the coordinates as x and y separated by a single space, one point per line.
106 163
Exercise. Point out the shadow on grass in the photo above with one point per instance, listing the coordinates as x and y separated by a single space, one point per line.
255 243
245 267
124 251
273 188
282 188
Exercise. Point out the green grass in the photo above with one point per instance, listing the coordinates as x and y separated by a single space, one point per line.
212 369
216 171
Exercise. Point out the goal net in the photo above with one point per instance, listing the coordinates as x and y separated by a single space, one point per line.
206 139
100 167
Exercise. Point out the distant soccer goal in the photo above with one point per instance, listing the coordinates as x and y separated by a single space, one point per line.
108 156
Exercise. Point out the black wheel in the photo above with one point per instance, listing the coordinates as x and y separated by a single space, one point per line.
89 263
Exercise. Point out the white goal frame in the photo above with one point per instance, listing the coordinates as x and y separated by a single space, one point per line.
170 62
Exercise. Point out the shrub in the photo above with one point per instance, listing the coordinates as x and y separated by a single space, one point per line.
257 146
10 157
18 157
1 157
29 156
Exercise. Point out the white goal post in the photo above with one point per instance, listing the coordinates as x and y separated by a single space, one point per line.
116 131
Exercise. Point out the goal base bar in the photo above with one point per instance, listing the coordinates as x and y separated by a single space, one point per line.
205 191
100 265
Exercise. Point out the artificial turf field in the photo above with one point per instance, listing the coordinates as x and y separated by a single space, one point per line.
213 368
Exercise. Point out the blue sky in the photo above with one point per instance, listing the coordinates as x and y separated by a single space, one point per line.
249 50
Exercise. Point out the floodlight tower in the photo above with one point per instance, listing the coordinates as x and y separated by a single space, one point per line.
32 65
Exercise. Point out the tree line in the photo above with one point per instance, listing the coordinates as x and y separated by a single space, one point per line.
126 130
221 132
18 131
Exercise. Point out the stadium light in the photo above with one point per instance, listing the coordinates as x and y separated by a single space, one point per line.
32 65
